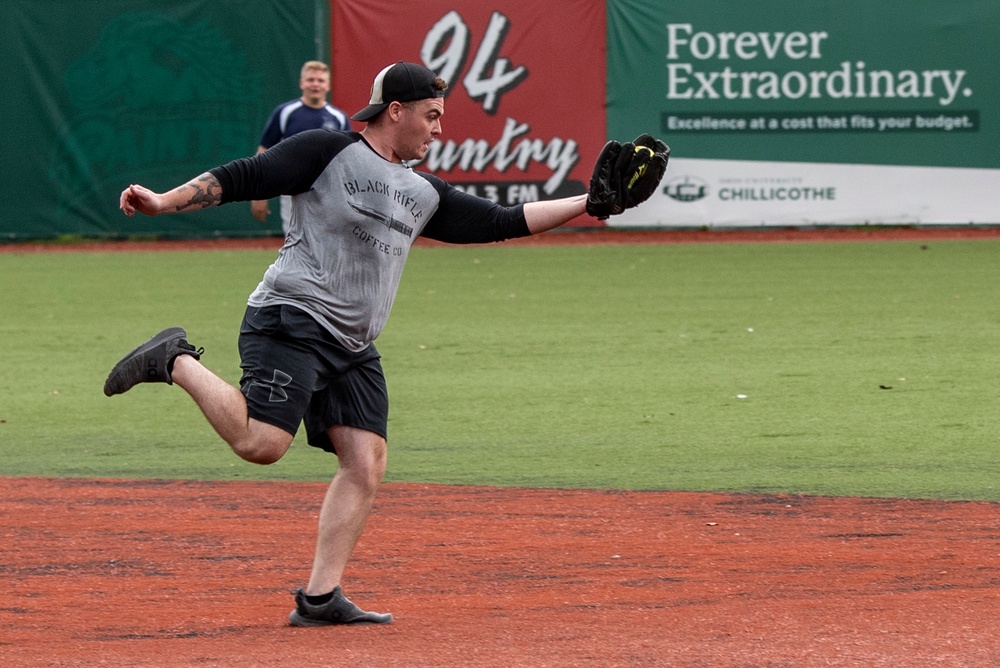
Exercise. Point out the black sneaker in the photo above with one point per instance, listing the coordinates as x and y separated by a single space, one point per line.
339 610
151 362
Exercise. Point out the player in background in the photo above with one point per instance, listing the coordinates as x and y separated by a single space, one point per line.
311 111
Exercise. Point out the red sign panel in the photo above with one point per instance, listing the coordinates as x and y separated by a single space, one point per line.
525 112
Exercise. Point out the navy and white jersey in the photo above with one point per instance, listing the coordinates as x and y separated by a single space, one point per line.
295 116
355 216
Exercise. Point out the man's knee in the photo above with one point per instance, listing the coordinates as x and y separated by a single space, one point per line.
378 463
264 443
261 453
362 455
368 469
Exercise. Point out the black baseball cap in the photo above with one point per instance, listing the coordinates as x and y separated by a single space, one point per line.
400 82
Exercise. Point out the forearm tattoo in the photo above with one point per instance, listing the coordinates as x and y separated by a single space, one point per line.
207 192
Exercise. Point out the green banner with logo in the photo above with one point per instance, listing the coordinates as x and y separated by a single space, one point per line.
102 93
798 113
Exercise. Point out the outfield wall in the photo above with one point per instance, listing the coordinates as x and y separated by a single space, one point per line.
780 113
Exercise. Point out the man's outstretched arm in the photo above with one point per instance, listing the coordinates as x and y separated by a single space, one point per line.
549 214
198 193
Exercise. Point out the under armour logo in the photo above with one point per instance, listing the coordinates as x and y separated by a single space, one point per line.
277 386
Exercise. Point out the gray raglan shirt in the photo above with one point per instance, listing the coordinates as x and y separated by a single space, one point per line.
355 216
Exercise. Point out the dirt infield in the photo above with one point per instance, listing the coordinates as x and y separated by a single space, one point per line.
181 573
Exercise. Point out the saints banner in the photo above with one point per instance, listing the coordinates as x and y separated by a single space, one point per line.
101 94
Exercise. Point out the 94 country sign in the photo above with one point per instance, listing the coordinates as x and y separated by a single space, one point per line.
517 126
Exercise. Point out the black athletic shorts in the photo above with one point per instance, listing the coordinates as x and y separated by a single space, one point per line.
294 371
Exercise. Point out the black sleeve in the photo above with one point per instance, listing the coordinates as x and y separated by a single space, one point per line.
462 218
289 167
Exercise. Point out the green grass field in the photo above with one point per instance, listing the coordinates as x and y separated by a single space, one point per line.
867 368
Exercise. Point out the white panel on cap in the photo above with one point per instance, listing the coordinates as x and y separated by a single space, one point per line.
377 86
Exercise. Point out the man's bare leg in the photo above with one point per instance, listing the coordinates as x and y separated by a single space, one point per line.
225 407
342 519
348 502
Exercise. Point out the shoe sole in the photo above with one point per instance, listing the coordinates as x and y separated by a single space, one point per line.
295 619
129 360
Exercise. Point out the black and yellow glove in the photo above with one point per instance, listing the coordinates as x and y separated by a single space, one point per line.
625 175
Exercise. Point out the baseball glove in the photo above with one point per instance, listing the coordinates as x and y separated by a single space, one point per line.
625 175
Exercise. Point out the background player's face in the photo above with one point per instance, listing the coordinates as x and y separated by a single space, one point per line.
315 84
